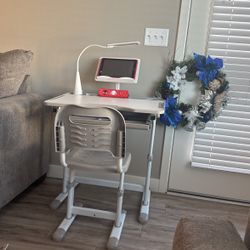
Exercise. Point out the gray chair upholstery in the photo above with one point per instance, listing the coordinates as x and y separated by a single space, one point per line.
205 233
92 139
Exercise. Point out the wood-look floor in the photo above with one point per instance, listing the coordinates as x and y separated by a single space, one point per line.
27 223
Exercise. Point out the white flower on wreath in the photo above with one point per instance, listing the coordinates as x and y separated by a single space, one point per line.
179 73
205 101
178 77
173 83
191 115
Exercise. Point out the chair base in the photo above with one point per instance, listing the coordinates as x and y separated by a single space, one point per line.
144 210
114 237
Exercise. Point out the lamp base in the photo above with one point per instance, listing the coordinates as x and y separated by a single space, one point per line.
78 85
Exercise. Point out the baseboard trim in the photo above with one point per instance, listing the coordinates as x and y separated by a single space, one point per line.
207 198
56 171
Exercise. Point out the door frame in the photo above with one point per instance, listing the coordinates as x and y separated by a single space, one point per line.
169 132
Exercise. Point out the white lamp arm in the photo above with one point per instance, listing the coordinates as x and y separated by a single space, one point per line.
112 45
89 46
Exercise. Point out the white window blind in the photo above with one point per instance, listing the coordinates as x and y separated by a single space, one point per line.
225 143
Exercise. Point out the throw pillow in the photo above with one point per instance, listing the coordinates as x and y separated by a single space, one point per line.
14 65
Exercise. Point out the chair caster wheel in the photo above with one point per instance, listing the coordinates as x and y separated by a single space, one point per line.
59 234
55 204
112 243
143 218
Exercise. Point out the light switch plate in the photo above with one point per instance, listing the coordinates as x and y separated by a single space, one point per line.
156 37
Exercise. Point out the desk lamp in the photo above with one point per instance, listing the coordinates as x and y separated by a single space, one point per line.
78 84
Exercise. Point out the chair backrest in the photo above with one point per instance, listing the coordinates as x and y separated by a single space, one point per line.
90 128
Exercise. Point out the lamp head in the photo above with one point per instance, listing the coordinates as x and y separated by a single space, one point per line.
113 45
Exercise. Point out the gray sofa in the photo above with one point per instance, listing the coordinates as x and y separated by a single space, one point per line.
21 126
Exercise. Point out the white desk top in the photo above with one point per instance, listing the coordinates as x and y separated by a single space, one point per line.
147 106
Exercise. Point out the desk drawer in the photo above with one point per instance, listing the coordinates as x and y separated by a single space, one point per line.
137 120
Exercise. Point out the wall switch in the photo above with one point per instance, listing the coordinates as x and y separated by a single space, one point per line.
156 37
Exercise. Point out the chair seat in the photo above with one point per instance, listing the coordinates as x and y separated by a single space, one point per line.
206 234
95 160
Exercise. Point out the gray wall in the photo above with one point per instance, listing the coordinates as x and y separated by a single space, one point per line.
57 30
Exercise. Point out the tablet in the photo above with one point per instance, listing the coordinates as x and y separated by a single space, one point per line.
117 70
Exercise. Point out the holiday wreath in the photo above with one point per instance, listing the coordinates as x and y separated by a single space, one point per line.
205 73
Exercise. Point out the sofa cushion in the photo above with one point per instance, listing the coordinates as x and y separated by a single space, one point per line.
25 86
14 65
201 233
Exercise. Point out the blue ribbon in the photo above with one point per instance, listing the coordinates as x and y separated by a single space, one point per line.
172 115
208 68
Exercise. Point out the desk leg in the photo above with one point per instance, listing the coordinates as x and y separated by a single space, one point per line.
144 213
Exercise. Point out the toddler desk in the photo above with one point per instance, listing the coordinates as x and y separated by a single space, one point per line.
138 114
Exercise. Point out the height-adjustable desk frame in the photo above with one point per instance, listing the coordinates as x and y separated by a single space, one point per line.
154 108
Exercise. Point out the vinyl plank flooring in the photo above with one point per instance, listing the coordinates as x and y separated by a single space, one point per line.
27 223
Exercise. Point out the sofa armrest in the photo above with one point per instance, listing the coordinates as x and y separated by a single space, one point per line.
20 143
14 111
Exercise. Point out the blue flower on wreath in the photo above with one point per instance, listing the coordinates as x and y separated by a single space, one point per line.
172 115
208 68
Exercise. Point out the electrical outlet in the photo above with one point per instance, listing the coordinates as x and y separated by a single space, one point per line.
156 37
